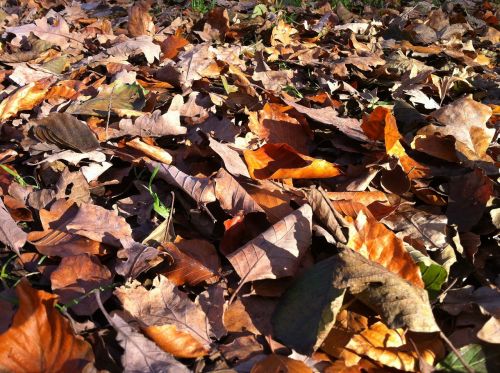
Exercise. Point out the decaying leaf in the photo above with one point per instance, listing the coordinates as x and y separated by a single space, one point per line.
10 234
40 339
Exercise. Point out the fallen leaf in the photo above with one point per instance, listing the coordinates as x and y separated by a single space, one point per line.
276 252
476 357
10 234
165 306
399 303
305 328
171 45
278 364
140 21
141 44
75 277
185 268
490 332
140 353
274 125
25 98
65 130
39 324
281 161
325 212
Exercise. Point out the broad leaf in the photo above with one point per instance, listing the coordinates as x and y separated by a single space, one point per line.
476 356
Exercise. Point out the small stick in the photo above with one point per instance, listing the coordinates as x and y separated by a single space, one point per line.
455 351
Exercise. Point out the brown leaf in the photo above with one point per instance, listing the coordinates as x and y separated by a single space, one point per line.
230 157
37 323
212 302
185 268
141 354
250 314
216 26
78 275
276 252
328 115
200 189
163 305
390 347
323 210
66 131
10 234
176 342
468 195
140 21
465 120
281 161
171 45
280 364
274 125
232 196
25 98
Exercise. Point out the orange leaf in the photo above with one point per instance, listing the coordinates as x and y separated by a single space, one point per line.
25 98
176 342
393 146
274 125
379 244
373 125
280 364
281 161
140 21
171 45
365 198
40 339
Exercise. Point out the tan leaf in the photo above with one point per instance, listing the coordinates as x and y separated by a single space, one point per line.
281 161
140 21
40 338
465 120
490 332
375 242
276 252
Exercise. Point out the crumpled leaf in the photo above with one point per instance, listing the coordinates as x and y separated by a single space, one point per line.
276 252
326 213
281 161
164 306
399 303
278 363
141 44
37 323
10 234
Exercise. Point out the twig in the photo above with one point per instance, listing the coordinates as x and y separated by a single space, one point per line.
455 351
109 110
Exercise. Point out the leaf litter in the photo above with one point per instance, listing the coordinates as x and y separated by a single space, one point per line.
274 186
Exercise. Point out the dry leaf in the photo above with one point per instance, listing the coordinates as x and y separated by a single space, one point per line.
25 98
140 21
280 364
40 339
281 161
276 252
10 234
77 276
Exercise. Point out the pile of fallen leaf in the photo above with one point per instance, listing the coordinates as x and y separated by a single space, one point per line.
258 188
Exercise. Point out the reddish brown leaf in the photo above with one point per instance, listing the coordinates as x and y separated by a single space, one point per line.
278 364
